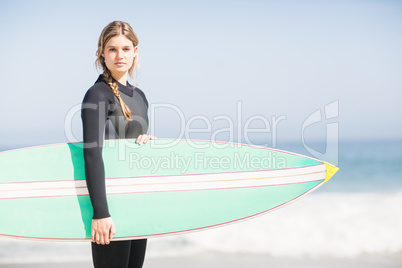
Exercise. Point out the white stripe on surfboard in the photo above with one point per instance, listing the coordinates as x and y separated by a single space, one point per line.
166 183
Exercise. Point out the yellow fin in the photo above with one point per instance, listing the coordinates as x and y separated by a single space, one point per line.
331 170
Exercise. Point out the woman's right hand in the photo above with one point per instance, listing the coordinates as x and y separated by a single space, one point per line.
102 230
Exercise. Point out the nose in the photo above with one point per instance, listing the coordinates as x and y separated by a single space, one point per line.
119 54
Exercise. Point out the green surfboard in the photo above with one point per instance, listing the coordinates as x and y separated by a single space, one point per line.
163 187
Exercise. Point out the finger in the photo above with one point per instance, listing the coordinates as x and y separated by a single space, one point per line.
93 231
146 138
142 139
102 239
112 231
106 238
97 240
93 235
150 137
139 139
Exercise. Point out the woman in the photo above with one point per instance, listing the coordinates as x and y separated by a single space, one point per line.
112 108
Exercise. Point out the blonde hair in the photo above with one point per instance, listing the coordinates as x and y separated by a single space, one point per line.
113 29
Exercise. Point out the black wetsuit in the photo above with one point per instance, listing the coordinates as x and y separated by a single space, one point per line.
102 118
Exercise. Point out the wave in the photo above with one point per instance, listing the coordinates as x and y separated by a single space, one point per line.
337 225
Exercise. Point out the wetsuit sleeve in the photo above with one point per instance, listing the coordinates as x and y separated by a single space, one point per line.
94 112
143 96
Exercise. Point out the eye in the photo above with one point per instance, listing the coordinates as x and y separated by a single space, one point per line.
127 49
112 49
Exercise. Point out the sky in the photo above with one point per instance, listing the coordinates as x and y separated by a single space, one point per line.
264 72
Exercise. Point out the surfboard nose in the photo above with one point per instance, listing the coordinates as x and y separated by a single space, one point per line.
331 170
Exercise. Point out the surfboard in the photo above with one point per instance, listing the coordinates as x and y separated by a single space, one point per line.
163 187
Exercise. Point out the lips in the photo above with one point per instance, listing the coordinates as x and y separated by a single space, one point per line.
120 63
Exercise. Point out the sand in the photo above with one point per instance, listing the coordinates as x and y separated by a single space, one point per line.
238 261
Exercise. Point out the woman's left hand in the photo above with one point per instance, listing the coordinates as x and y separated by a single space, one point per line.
144 138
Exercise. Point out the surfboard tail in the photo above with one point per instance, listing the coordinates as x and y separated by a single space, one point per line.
331 170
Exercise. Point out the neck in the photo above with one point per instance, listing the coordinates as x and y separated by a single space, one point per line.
121 78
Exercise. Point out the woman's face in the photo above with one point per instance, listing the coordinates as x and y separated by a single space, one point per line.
119 54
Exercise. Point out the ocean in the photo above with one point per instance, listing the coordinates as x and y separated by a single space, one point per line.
357 214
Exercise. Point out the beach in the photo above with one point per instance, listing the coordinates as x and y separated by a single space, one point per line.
237 261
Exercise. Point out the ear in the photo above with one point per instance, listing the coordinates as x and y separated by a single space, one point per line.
135 51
